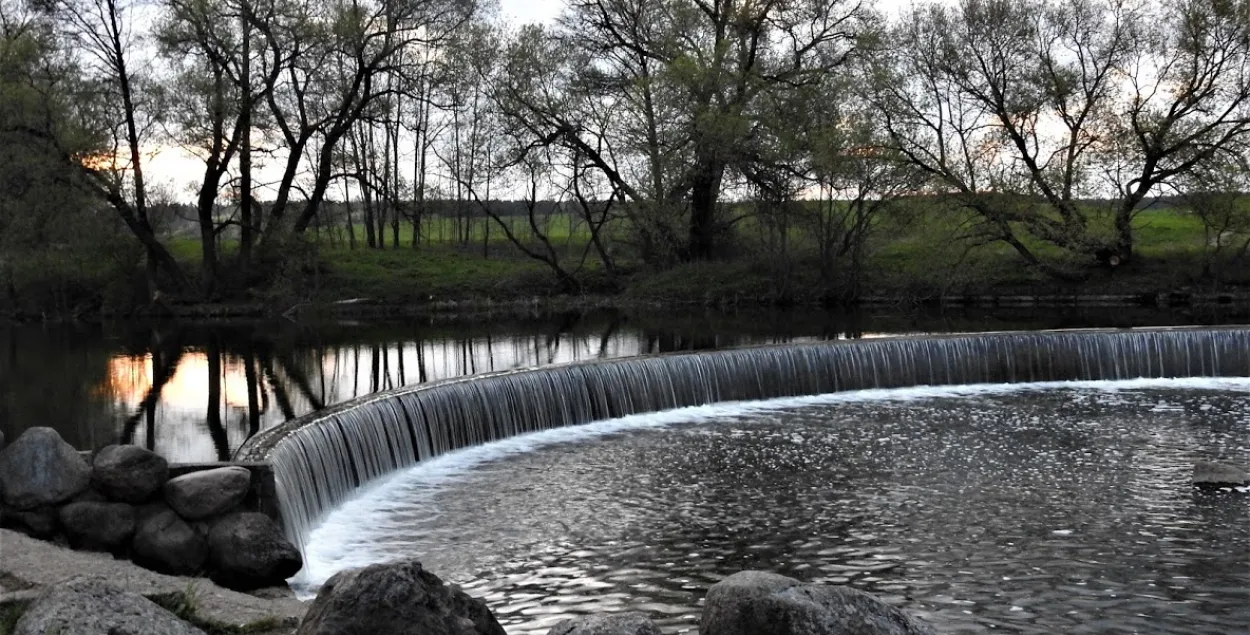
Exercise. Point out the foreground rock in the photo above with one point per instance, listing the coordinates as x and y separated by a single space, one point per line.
129 473
94 606
164 542
619 624
40 469
27 563
395 599
247 551
758 603
1211 475
209 493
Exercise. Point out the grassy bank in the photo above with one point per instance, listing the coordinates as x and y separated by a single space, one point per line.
909 258
913 260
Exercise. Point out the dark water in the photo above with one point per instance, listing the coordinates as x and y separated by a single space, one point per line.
195 393
1026 510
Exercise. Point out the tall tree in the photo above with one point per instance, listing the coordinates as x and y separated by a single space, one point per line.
688 83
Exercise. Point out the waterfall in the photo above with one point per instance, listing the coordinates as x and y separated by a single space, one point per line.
321 459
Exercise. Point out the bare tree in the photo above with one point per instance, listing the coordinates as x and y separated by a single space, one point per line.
1027 112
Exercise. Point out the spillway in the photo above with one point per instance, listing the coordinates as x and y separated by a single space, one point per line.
322 459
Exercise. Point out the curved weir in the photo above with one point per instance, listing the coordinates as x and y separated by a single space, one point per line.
322 459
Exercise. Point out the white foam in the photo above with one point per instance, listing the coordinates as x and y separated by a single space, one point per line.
349 536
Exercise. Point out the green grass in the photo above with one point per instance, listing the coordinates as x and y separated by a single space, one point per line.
185 606
915 253
9 615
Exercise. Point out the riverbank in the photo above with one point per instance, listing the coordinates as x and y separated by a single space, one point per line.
921 263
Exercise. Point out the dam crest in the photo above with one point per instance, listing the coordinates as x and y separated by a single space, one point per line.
322 459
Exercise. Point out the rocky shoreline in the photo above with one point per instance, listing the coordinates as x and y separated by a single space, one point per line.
123 501
91 594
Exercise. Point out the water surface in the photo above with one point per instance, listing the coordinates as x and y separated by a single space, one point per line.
195 392
1032 509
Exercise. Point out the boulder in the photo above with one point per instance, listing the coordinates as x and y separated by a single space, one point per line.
1210 475
619 624
208 493
40 469
246 550
395 599
99 526
41 522
129 473
759 603
164 542
1 439
93 606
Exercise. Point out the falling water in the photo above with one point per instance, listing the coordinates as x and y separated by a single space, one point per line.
321 460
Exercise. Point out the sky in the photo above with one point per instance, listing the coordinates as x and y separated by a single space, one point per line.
522 11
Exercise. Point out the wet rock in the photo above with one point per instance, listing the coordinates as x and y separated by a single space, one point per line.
99 526
40 469
164 542
759 603
129 473
246 550
395 599
41 522
1211 475
208 493
93 606
619 624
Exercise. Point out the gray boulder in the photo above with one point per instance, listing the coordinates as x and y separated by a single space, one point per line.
246 550
129 473
759 603
1210 475
41 522
164 542
99 526
395 599
619 624
40 469
208 493
93 606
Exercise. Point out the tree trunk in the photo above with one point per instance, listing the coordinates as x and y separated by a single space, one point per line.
246 233
704 195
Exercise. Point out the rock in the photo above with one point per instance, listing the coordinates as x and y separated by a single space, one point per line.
41 522
1 439
619 624
129 473
759 603
90 495
395 599
164 542
208 493
246 550
39 469
99 526
93 606
1208 474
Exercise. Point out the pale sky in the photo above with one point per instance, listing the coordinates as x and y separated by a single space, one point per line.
529 10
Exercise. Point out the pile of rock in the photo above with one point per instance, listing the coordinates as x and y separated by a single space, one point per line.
125 503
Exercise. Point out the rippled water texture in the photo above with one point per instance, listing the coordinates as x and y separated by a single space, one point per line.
1034 509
